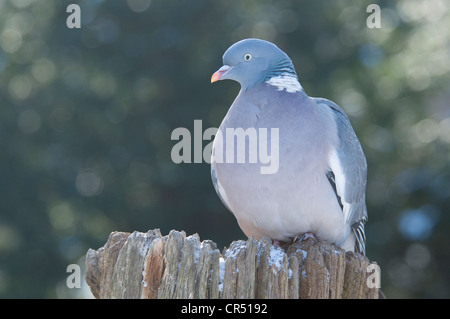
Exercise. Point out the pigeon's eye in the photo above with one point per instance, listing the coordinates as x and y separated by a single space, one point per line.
247 57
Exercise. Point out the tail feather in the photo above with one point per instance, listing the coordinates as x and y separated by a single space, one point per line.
360 235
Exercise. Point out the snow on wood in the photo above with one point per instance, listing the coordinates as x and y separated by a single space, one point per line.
149 266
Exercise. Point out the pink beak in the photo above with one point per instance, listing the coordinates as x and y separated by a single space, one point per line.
217 76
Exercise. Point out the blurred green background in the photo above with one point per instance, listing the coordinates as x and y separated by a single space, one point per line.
86 117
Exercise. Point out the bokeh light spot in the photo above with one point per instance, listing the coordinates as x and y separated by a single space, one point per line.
43 70
10 40
426 130
29 121
89 183
20 87
139 5
61 217
418 224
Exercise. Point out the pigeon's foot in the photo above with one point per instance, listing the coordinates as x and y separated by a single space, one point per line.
276 243
304 236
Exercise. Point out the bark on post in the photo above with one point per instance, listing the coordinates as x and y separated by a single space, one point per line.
149 266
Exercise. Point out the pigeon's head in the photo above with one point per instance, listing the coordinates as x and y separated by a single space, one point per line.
254 61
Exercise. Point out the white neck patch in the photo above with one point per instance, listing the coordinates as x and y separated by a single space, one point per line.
286 82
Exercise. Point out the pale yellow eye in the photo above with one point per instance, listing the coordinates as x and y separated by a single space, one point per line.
247 57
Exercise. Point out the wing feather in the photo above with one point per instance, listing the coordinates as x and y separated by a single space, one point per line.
349 168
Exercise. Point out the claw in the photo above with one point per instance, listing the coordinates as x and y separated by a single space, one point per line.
303 237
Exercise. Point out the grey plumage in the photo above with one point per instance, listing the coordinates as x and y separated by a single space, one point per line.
355 169
320 184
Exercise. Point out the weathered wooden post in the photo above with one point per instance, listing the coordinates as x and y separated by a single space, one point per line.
149 265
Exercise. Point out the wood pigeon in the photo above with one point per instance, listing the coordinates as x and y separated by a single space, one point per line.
318 187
